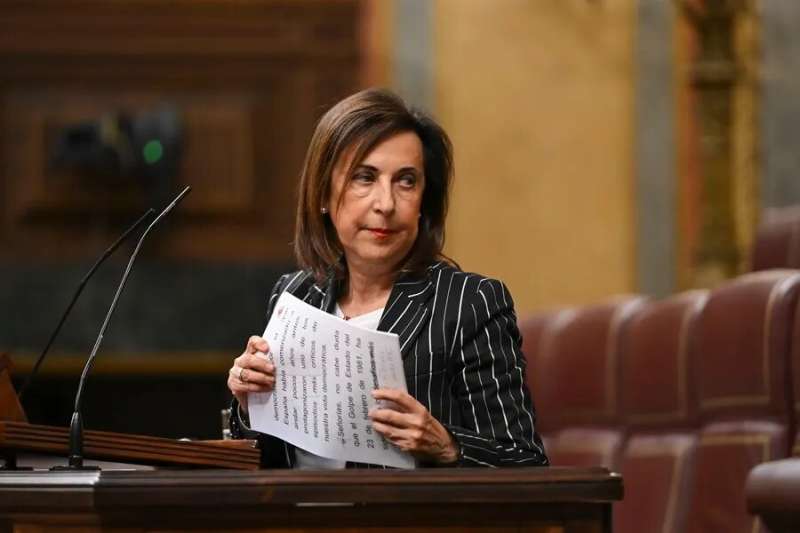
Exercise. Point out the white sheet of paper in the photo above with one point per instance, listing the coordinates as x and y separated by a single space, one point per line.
325 371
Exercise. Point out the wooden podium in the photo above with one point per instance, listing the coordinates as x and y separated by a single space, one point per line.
236 495
533 499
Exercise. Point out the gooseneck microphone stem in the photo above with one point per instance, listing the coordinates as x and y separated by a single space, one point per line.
75 297
76 424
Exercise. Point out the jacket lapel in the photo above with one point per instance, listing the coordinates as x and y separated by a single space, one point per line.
319 295
326 295
407 310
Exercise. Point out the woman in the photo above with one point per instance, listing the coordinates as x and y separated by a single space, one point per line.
369 236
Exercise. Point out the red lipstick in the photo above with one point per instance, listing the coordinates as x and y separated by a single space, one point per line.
380 233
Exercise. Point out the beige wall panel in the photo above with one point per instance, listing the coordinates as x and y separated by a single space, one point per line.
538 98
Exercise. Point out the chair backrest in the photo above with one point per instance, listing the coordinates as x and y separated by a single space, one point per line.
744 347
744 341
533 329
795 364
777 242
576 379
659 407
656 357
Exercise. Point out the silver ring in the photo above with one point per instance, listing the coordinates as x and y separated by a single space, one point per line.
242 376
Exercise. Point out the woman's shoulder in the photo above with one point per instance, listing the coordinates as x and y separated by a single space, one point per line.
469 288
451 274
468 301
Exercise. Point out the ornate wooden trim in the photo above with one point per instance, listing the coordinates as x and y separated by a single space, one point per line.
519 499
128 448
719 146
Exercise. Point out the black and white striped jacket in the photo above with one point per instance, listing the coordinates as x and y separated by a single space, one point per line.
461 351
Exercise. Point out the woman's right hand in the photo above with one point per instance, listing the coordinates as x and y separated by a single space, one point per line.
252 371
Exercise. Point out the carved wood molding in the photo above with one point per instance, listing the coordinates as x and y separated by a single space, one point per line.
719 159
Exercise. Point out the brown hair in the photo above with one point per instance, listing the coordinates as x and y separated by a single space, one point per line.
362 121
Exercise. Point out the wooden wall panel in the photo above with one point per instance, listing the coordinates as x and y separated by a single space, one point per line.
218 151
250 78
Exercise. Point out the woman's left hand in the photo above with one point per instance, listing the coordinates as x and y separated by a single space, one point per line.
411 427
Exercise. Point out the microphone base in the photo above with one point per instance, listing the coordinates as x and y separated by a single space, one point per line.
75 464
68 468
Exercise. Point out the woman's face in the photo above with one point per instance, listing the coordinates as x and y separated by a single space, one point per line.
376 209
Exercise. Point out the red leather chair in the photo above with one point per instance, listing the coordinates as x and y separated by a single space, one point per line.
777 242
533 329
658 403
796 381
744 338
575 377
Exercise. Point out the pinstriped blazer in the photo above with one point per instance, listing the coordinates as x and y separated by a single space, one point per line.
461 353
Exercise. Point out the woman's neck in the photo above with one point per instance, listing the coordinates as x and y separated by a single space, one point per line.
365 291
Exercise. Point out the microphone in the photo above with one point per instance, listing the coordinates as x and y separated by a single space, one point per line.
75 297
76 424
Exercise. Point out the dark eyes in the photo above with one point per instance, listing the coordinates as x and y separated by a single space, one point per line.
363 177
407 180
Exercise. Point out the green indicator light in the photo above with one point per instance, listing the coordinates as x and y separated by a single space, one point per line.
153 151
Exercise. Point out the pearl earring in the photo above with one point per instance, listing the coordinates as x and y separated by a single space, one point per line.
324 210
